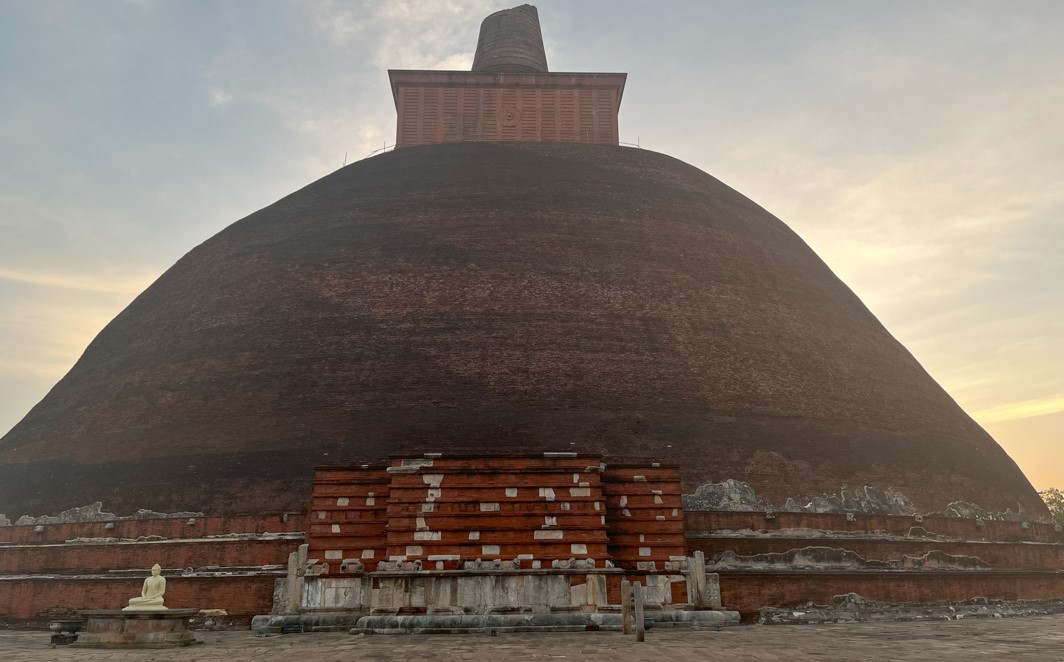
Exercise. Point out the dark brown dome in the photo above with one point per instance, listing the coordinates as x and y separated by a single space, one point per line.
492 298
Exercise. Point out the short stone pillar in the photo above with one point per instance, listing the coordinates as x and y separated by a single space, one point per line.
697 592
640 624
297 571
114 628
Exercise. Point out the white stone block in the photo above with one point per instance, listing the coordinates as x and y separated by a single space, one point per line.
657 499
413 550
367 554
550 520
432 480
578 548
511 492
342 501
321 514
536 565
428 535
335 528
565 505
579 491
334 554
598 505
547 493
489 550
645 551
549 534
474 535
371 501
489 506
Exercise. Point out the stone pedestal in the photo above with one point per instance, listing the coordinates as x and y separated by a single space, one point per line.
113 628
66 631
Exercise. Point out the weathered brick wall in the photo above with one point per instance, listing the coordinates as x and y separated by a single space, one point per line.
539 508
348 514
644 514
177 527
464 108
1000 555
88 558
968 529
41 598
41 575
747 592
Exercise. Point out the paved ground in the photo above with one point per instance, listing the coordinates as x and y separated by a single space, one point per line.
1032 639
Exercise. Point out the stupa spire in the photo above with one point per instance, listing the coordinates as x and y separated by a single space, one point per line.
511 42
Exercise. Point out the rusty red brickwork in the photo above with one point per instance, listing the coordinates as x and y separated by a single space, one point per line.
645 515
444 511
53 570
347 516
439 107
537 509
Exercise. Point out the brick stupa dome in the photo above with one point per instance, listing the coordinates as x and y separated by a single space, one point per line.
497 298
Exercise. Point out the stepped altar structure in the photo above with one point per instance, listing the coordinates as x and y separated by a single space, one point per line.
496 371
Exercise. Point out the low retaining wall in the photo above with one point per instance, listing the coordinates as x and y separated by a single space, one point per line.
81 558
748 591
35 600
165 527
964 529
1001 555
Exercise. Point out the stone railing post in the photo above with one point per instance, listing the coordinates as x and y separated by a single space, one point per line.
626 607
697 593
297 570
640 626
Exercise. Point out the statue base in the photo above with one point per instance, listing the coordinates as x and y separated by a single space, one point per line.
114 628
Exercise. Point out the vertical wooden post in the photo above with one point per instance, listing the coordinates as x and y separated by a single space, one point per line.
640 628
626 607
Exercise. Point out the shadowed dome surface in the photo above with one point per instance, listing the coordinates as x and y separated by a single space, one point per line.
497 298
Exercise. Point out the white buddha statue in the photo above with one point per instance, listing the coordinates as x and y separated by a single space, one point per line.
151 595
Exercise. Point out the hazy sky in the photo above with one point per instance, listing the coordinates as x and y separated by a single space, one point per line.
917 147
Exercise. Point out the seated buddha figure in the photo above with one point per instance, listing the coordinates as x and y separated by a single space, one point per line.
151 595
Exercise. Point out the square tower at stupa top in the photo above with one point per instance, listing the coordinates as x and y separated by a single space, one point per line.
508 96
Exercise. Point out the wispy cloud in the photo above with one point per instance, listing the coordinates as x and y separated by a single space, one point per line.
79 281
1018 410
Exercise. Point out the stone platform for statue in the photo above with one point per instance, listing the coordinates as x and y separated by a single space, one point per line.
114 628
